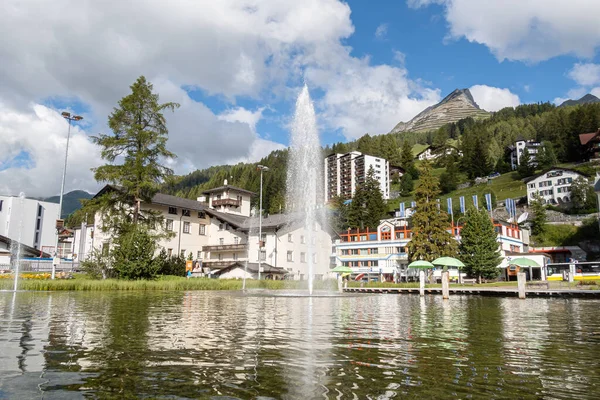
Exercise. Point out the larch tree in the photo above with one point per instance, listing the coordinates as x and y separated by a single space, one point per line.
538 224
135 151
479 249
367 207
430 222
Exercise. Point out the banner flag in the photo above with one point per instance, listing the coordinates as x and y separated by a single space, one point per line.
449 202
475 201
402 210
413 204
488 200
462 204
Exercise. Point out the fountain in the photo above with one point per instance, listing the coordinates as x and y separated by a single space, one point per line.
16 250
304 175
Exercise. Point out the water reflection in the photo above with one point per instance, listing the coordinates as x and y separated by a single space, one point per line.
209 344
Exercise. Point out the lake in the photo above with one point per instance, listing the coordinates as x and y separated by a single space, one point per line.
224 345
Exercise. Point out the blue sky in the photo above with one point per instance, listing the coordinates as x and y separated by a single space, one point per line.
236 67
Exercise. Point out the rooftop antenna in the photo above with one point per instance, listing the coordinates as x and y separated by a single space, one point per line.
522 218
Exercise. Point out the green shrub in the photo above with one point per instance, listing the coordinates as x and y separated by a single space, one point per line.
97 266
174 265
133 254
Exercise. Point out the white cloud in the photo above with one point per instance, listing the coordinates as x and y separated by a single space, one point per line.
492 98
559 100
381 31
585 74
400 57
596 92
41 133
527 88
240 114
526 30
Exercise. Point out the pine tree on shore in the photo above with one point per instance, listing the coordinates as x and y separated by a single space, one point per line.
479 249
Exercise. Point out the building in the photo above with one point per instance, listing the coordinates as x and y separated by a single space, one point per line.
7 252
553 185
591 145
217 230
381 253
30 221
431 153
516 151
343 173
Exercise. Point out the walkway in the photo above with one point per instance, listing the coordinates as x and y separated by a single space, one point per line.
484 291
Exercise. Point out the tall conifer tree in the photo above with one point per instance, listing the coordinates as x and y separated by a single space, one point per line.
479 249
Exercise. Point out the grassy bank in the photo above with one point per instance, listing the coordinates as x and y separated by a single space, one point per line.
163 283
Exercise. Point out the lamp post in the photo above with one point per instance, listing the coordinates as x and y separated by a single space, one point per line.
260 243
458 240
70 118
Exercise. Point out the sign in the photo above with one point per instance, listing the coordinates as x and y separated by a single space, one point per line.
385 228
189 265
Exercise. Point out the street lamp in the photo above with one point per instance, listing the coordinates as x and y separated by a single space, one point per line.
66 115
260 243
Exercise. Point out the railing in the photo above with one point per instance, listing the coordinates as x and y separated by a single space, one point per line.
219 264
225 247
226 202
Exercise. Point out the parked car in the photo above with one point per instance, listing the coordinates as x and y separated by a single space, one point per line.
494 175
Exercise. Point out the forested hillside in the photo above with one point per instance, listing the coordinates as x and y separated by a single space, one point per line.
482 142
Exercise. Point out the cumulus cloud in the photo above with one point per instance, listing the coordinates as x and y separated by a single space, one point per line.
585 74
41 134
526 30
240 114
493 98
381 31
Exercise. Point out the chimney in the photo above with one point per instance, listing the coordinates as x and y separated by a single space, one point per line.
225 182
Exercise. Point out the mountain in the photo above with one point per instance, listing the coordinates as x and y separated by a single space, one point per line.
457 105
587 99
70 201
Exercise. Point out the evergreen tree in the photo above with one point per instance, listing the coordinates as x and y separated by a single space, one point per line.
389 149
339 219
538 224
133 253
546 157
526 167
449 179
366 145
139 137
407 160
479 249
583 197
430 238
367 207
406 185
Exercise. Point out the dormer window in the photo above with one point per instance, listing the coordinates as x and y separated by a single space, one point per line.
185 213
173 210
201 214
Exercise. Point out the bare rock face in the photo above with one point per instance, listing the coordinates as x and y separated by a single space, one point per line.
457 105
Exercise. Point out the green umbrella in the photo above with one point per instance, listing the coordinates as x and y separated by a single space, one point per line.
523 262
448 262
341 269
420 264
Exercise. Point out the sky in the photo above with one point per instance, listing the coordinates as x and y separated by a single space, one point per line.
236 68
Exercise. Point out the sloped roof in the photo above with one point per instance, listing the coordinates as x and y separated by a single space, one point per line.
26 250
585 138
162 199
228 187
253 267
551 169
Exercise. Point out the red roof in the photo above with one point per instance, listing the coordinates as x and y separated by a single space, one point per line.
585 138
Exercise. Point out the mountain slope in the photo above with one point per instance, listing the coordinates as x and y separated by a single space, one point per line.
70 201
587 99
457 105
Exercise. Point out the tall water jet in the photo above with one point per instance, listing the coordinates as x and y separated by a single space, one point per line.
304 174
16 249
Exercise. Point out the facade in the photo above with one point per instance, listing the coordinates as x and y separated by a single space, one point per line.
553 185
34 221
516 151
345 172
430 153
218 232
590 143
382 253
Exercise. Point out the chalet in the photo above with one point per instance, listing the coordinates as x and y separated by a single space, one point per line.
553 185
591 144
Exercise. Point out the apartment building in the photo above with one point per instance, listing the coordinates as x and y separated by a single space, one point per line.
218 230
345 172
30 221
553 185
382 252
516 151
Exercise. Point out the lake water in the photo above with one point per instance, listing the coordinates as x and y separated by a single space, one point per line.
226 345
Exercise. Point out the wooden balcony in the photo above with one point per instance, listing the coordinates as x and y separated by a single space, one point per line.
225 247
226 202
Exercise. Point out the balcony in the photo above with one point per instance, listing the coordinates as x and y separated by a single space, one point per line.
217 264
226 202
225 247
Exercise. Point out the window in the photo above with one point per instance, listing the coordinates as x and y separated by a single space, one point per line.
202 230
227 227
185 213
221 241
236 240
199 255
302 257
37 237
263 255
290 256
182 253
532 186
169 225
38 224
302 239
264 237
364 252
169 252
289 237
201 214
220 257
235 256
172 210
39 211
186 227
220 227
1 201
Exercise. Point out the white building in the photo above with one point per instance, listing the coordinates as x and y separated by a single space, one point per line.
431 153
345 172
516 151
553 186
382 253
34 221
217 231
